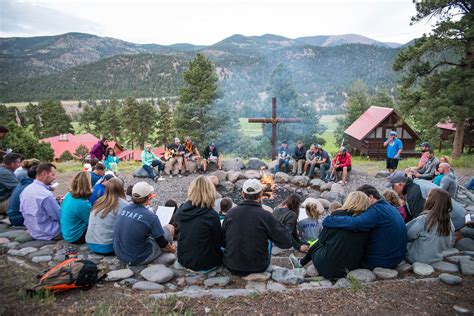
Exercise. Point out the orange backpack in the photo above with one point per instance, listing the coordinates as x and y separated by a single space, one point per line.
69 274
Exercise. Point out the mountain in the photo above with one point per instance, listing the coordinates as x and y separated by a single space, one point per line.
84 66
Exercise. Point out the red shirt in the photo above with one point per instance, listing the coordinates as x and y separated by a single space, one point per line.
345 160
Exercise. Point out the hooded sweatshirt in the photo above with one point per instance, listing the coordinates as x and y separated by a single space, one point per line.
448 183
200 239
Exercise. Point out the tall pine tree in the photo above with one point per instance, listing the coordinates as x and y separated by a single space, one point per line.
48 118
110 122
165 123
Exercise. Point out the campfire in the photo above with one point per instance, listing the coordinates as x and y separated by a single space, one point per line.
267 185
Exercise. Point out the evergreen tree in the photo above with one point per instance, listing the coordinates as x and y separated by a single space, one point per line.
22 141
129 114
110 121
48 118
192 114
138 121
90 118
439 85
383 99
357 102
281 87
165 123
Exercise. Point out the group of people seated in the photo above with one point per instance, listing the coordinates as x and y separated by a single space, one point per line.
180 155
305 162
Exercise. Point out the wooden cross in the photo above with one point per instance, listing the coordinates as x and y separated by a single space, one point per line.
274 121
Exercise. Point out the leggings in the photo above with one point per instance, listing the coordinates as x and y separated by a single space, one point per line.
309 255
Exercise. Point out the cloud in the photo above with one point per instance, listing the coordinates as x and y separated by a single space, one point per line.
30 19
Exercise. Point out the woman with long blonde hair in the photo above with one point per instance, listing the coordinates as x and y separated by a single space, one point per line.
200 239
75 209
338 251
102 218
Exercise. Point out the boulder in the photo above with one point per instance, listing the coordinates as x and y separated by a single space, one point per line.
4 241
217 281
467 267
221 175
403 267
445 266
226 187
22 252
311 271
301 181
275 287
12 245
258 287
234 176
118 275
197 279
333 196
383 273
128 282
235 164
285 276
166 259
38 243
281 177
382 174
256 164
342 283
39 259
140 173
316 184
12 234
422 269
465 244
41 252
362 275
252 174
457 259
157 273
239 184
450 252
336 187
257 277
148 286
324 202
450 279
214 180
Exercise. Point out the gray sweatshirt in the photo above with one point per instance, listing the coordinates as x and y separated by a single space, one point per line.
448 183
428 170
424 245
101 230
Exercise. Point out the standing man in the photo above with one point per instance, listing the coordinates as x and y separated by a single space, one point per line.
39 207
8 181
177 151
300 158
211 155
283 157
149 161
99 149
249 231
394 149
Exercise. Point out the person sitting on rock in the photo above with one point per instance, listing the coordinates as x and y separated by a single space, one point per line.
99 188
38 206
14 215
98 171
201 237
249 231
387 231
424 147
283 157
338 250
342 162
433 231
299 157
311 158
448 179
139 238
322 162
310 227
22 172
75 209
287 214
429 169
225 205
150 161
173 221
191 153
8 181
211 155
392 197
102 217
177 152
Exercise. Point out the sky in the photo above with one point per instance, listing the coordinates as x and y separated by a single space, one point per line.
207 22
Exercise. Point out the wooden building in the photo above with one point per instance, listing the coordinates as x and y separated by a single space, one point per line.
367 134
447 129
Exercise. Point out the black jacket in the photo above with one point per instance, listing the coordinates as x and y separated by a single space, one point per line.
290 220
200 239
247 230
339 250
300 153
414 201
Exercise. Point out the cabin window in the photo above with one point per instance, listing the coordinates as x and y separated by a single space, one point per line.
406 135
400 132
378 132
372 134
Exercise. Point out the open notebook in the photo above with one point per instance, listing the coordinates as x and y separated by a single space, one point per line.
164 213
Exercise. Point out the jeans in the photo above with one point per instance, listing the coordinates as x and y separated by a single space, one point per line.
322 169
285 162
149 169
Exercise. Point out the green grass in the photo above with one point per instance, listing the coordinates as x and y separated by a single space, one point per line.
250 129
124 166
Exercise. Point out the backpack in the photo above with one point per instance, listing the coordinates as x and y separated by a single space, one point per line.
69 274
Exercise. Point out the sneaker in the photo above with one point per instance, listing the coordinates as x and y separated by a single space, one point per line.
179 175
156 178
171 176
295 262
161 178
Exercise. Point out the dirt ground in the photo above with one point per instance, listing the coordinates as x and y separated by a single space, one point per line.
389 297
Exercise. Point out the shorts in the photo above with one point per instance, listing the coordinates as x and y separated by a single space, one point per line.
340 168
155 249
392 163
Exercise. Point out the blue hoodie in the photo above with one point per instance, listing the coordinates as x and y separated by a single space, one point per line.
14 214
387 234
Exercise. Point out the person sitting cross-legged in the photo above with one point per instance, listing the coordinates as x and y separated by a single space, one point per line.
427 172
283 157
322 161
211 155
249 231
38 206
387 232
149 161
338 250
99 188
287 214
75 209
102 218
200 239
139 238
310 227
342 162
98 171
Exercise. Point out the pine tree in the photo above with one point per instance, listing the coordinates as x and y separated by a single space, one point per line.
165 123
110 121
48 118
145 122
129 114
195 100
438 85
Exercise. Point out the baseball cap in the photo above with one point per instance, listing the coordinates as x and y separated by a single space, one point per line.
142 189
212 145
319 146
425 144
252 186
393 133
396 177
